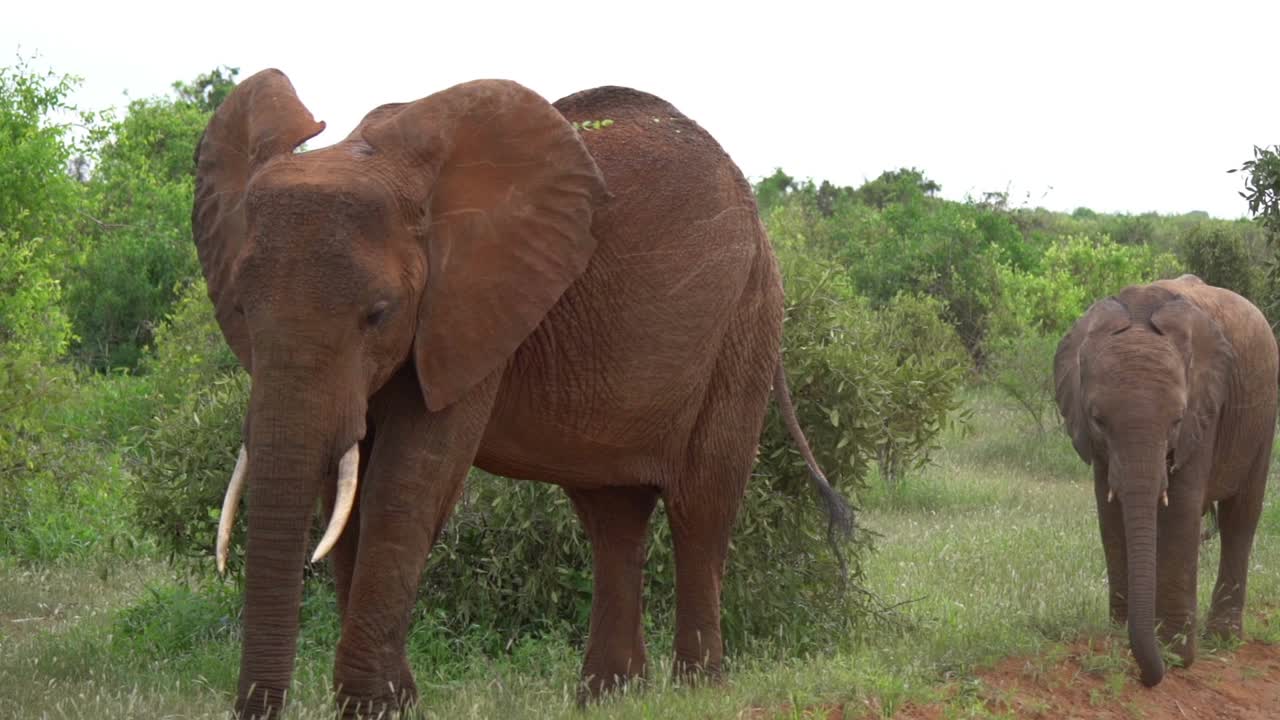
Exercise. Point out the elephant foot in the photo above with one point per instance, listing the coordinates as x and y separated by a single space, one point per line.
597 686
695 674
1183 642
260 704
1226 627
382 700
377 707
604 674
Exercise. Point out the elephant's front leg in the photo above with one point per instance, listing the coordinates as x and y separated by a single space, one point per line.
417 467
1177 560
1111 523
343 555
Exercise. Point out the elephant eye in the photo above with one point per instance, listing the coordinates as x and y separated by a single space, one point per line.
376 314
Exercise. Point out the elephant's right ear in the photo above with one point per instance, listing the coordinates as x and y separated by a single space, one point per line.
261 119
1106 316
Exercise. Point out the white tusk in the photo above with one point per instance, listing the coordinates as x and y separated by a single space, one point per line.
1164 498
229 504
348 468
1111 495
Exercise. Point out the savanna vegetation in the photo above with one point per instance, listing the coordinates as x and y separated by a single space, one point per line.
919 339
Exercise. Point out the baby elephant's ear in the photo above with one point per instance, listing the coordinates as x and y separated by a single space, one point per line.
260 120
507 191
1105 317
1208 358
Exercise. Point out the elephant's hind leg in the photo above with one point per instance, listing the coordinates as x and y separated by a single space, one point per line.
616 519
703 504
1237 522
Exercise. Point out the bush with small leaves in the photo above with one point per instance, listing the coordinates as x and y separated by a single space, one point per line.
871 385
1021 366
185 458
1217 254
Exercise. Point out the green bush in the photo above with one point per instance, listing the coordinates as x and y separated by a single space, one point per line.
1075 272
33 336
189 348
185 462
189 447
37 196
137 231
871 386
1021 366
1217 254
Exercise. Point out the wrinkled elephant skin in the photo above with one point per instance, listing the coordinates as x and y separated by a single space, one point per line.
1169 391
469 279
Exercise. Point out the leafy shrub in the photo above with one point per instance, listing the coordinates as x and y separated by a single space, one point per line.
189 448
1262 186
870 385
37 195
1021 366
185 463
940 250
1075 272
1217 254
189 348
137 231
69 498
33 336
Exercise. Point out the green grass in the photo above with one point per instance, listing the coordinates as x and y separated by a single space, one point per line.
993 551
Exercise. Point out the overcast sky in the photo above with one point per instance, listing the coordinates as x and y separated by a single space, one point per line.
1117 106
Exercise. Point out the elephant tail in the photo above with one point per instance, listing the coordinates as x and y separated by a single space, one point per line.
840 518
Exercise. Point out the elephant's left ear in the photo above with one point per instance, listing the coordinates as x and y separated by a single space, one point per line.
503 190
1104 317
1209 358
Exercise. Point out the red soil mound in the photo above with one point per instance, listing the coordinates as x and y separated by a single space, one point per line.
1241 685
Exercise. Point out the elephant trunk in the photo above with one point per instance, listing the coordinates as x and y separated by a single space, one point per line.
1139 500
291 451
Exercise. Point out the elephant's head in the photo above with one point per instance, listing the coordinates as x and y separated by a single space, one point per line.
1140 379
438 233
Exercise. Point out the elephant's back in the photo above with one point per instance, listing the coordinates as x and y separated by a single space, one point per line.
1241 320
1257 367
683 274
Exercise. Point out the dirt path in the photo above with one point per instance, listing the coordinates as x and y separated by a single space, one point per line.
1097 683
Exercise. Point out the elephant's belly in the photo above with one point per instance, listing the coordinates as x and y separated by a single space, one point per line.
546 452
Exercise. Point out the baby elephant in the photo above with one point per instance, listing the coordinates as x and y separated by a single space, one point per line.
1169 391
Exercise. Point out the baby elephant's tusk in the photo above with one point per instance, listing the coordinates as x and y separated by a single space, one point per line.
1164 498
348 468
1111 495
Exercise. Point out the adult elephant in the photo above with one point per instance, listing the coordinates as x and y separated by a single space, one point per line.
1169 391
450 285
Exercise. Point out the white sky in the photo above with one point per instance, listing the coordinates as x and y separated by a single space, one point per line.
1118 106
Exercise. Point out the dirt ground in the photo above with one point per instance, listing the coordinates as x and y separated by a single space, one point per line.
1093 680
1241 685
